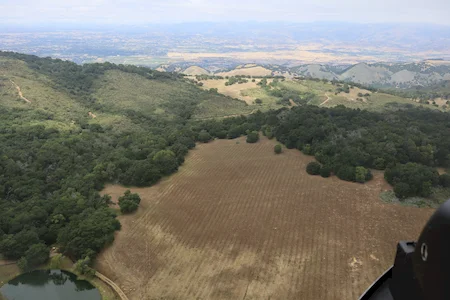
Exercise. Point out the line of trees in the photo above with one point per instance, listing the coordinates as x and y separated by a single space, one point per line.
348 142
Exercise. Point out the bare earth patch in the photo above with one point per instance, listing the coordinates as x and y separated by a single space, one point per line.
239 222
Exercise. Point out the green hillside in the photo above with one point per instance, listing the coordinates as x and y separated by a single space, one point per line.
67 129
327 94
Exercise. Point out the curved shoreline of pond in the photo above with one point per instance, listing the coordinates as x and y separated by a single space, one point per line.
50 284
107 288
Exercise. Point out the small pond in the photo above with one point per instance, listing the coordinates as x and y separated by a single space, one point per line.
49 285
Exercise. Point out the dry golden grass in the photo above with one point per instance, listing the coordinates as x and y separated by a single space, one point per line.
194 70
252 71
234 91
238 221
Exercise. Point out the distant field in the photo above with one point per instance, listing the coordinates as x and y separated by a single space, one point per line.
238 221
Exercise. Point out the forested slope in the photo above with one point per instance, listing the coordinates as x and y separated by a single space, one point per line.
81 127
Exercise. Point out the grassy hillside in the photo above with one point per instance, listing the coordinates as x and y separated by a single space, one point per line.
109 97
326 94
59 108
121 92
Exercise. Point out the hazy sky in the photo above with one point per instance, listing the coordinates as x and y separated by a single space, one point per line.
175 11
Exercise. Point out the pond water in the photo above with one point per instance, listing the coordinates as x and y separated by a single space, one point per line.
49 285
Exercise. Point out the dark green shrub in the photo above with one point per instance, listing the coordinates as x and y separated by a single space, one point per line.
204 136
325 172
129 202
278 149
444 180
313 168
252 137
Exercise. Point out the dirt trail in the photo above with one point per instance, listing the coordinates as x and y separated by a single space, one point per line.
4 262
20 92
328 99
112 285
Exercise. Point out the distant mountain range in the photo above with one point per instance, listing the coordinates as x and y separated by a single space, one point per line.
385 75
399 75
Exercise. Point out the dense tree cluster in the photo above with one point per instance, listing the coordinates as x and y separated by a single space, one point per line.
236 79
129 202
252 137
50 178
348 142
207 77
412 179
204 136
313 168
36 255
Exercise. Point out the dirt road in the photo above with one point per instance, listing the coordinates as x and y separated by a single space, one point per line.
328 99
20 92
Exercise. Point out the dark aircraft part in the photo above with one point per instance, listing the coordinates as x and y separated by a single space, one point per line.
421 270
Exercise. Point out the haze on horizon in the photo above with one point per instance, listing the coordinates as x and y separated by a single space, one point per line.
29 12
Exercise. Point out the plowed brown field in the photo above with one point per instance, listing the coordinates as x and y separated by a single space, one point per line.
239 222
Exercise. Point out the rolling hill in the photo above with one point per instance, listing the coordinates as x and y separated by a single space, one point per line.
195 70
105 90
380 75
250 70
